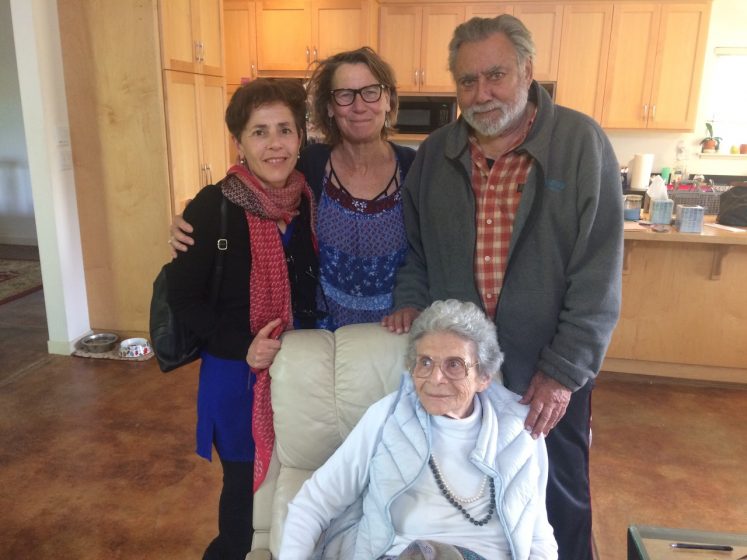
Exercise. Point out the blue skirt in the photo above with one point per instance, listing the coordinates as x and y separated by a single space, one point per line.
224 409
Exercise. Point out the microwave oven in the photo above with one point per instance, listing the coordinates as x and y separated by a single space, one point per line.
423 115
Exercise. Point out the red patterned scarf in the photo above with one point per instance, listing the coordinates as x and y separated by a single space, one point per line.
269 287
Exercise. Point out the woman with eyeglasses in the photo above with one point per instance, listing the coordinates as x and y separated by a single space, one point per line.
268 285
442 468
356 176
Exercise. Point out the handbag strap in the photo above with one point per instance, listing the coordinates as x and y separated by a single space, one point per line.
222 245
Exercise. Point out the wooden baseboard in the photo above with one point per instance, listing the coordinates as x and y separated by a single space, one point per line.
677 371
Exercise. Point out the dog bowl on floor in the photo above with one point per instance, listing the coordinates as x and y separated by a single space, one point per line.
99 343
134 348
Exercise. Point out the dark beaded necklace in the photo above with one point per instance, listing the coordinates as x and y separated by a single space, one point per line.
452 500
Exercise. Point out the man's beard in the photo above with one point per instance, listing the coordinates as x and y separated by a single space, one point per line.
496 125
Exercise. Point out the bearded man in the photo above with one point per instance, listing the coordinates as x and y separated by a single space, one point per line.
517 207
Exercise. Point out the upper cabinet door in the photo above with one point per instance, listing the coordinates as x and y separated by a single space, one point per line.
293 34
284 35
338 25
584 48
210 49
419 56
399 48
191 36
679 65
488 10
631 62
438 27
544 21
655 65
240 38
178 35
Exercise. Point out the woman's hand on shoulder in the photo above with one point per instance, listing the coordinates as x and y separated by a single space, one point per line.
180 239
264 347
401 320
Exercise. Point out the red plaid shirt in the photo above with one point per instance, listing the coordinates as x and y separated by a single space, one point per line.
497 194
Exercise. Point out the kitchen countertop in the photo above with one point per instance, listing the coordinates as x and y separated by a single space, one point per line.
710 235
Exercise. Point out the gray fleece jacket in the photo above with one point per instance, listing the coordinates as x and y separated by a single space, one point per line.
562 288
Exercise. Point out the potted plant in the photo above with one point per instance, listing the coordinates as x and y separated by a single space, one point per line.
710 143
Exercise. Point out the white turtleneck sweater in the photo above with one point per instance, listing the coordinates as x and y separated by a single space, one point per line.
423 512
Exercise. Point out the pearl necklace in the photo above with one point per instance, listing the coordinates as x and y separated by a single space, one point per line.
457 501
448 489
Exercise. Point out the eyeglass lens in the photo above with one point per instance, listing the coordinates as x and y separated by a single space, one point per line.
453 367
346 96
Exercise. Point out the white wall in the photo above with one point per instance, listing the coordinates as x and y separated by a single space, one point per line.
36 33
16 206
728 28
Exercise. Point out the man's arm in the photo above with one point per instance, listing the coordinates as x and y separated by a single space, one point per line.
592 299
411 287
591 304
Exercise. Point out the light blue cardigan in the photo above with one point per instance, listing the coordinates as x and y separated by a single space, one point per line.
394 436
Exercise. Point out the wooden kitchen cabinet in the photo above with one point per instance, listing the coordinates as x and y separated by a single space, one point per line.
191 36
684 308
584 47
655 65
420 55
240 40
488 10
196 134
293 34
544 20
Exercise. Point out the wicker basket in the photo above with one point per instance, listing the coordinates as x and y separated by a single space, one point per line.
708 200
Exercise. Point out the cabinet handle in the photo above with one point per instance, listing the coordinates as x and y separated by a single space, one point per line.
202 51
308 55
416 77
202 175
197 51
645 111
316 55
253 73
422 77
209 174
653 112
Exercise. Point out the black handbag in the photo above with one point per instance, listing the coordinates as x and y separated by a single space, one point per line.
732 207
174 344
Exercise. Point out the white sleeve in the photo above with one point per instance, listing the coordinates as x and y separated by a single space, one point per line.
544 546
334 486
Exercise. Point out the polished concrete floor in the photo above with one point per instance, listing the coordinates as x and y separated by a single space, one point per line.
97 456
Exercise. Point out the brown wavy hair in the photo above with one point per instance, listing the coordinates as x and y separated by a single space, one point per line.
320 86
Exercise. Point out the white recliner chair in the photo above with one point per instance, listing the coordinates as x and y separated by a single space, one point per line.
322 383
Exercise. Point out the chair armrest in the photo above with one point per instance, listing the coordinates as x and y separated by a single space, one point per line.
259 554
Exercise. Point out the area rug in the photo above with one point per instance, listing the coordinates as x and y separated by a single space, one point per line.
18 278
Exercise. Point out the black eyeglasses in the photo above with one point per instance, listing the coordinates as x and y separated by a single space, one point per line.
346 96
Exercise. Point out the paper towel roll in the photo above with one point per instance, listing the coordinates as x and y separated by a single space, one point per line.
641 171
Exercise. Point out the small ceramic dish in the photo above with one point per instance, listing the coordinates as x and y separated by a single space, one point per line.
135 348
98 343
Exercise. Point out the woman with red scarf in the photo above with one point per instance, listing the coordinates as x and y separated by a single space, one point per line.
268 286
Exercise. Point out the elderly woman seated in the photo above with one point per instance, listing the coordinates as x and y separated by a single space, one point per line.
442 468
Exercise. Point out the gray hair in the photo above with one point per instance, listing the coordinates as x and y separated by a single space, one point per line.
465 320
479 29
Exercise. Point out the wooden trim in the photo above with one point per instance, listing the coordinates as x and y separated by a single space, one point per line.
681 371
